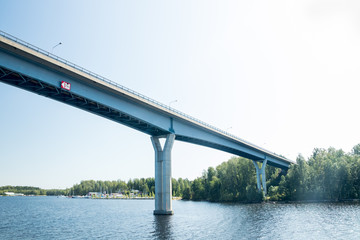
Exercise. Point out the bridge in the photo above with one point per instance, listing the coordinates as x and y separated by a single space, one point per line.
28 67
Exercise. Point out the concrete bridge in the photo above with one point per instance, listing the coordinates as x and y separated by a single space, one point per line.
28 67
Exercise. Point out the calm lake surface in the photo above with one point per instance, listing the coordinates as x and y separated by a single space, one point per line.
63 218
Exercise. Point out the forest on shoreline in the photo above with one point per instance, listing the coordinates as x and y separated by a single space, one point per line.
327 175
145 186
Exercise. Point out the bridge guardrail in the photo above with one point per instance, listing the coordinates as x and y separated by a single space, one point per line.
53 56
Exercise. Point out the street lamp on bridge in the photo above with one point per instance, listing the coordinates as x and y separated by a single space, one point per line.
174 101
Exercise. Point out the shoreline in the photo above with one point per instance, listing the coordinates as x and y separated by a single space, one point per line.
286 202
179 198
81 197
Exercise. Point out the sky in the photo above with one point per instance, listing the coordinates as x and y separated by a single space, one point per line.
282 74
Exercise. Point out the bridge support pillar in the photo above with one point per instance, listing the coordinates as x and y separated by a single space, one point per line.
163 188
261 171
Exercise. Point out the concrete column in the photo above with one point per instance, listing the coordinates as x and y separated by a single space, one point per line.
263 176
257 175
163 188
261 171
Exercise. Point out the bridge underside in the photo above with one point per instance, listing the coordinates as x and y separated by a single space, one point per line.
217 146
33 85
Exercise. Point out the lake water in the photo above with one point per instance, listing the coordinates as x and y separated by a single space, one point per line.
63 218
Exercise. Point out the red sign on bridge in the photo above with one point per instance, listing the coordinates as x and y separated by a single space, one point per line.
65 85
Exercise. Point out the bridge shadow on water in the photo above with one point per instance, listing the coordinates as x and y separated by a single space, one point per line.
163 227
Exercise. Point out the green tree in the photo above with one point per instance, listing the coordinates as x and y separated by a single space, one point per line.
187 194
198 189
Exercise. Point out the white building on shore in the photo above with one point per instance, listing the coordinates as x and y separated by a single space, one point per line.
12 194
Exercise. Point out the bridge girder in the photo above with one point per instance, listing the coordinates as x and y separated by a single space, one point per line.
54 92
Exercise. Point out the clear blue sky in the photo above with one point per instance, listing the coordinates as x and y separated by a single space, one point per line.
281 74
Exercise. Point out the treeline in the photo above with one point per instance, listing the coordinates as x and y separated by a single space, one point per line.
26 190
328 175
22 189
145 185
231 181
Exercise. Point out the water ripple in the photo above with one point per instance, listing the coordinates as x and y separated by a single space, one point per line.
62 218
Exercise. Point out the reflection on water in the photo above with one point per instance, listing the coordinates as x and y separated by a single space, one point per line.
162 226
62 218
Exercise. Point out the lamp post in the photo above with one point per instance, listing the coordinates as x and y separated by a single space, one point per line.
228 129
174 101
55 46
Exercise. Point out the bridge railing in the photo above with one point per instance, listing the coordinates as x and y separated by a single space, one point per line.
53 56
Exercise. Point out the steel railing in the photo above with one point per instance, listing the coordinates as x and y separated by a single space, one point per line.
77 67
